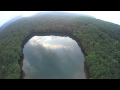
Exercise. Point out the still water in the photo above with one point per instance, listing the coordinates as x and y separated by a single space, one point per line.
53 57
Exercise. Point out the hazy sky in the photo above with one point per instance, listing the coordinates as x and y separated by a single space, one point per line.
111 16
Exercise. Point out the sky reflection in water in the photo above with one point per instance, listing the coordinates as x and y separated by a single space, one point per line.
53 57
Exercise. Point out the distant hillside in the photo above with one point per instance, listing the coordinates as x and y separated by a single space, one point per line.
60 13
10 21
100 41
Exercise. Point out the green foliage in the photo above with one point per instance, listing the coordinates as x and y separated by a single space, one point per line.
99 39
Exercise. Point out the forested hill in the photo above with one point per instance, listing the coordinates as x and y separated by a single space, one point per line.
99 39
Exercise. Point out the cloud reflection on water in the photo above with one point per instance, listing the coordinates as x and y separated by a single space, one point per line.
53 57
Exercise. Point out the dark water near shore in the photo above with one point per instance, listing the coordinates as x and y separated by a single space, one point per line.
53 57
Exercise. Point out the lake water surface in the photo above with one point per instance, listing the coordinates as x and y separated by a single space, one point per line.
53 57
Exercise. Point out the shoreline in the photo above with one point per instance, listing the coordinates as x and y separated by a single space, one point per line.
22 74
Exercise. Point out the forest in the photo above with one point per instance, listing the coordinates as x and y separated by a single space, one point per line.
99 39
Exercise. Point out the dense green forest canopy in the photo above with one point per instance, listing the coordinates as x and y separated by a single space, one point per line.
99 39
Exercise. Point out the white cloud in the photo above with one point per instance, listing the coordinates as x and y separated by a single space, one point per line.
7 15
111 16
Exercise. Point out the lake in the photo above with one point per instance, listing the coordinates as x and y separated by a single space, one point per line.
53 57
